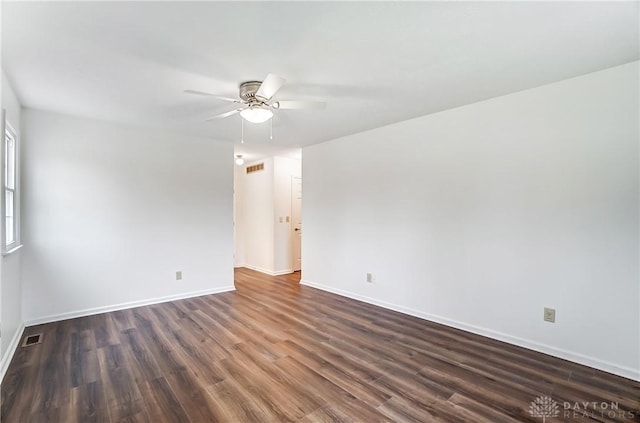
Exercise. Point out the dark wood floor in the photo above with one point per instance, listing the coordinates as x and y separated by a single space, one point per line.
275 351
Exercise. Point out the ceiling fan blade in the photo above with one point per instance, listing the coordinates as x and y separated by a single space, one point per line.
224 115
211 95
299 105
270 86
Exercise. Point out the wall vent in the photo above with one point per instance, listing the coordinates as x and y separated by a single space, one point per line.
32 340
255 168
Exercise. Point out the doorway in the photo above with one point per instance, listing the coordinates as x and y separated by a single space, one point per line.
268 214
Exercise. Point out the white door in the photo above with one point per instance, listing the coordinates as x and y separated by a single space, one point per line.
296 222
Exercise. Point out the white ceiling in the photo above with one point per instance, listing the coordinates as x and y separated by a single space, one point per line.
374 63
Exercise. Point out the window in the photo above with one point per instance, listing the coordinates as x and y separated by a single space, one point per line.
10 195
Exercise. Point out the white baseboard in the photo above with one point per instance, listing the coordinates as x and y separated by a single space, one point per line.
575 357
11 350
269 272
123 306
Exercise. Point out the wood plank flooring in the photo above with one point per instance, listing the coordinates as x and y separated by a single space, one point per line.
275 351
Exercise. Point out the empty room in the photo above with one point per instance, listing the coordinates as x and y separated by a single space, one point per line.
320 212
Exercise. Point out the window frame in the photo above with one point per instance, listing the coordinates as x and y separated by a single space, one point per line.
9 130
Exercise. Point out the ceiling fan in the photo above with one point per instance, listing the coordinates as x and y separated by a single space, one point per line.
256 100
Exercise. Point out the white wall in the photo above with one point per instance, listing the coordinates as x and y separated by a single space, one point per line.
10 279
238 235
480 216
112 212
255 216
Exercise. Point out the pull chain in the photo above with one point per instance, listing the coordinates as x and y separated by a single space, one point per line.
241 131
271 135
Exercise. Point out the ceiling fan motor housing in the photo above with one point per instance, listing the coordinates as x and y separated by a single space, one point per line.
248 90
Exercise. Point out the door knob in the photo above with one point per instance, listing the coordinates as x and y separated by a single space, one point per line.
296 229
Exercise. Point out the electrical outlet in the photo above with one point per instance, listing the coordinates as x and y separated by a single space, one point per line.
179 275
370 277
550 315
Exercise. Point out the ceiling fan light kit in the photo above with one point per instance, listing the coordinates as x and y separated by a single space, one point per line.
256 114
